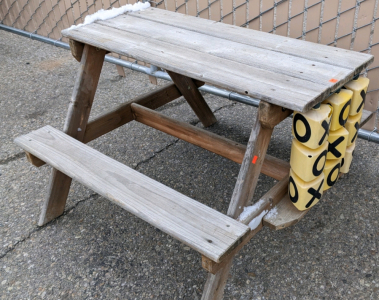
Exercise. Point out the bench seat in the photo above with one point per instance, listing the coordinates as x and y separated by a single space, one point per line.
202 228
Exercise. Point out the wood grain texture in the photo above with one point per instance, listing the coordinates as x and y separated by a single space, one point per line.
190 92
287 215
76 49
227 148
279 70
202 228
254 156
316 52
294 66
75 126
35 161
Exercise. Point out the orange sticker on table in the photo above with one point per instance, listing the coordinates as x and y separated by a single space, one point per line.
333 80
255 159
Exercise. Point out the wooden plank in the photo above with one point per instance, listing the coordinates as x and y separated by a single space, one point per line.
234 151
287 215
302 68
202 228
320 53
295 94
191 93
75 126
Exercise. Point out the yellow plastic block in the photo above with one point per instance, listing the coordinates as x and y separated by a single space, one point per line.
341 106
352 126
312 128
305 194
307 163
359 89
346 161
337 143
331 172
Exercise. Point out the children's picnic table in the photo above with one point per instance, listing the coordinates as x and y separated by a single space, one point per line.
284 73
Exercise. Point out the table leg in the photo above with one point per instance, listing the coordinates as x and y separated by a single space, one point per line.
268 116
77 117
194 98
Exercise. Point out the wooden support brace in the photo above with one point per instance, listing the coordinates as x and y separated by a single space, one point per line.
268 116
76 49
76 121
191 93
120 71
234 151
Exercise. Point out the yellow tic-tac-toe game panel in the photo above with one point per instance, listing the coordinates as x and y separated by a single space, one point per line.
312 128
346 161
340 102
337 143
359 89
307 163
352 126
331 172
305 194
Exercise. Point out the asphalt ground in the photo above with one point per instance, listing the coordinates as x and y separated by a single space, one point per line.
96 250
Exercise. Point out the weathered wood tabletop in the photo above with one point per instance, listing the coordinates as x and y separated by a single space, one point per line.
292 73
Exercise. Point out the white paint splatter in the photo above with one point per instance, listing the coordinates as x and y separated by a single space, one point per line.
257 220
112 13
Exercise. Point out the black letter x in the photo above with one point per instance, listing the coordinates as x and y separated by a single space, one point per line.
332 146
356 125
315 194
324 125
363 95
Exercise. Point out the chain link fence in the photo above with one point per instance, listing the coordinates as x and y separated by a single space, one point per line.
348 24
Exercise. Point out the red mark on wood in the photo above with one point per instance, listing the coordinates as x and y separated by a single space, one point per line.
333 80
255 159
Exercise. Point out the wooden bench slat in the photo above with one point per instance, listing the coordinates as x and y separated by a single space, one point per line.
206 230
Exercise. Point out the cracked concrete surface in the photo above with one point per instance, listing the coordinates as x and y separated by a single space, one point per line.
96 250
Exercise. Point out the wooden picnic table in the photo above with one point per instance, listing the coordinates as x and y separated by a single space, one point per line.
284 73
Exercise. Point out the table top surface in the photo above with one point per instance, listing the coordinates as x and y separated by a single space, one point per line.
292 73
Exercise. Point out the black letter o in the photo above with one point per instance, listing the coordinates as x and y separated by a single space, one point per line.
305 138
